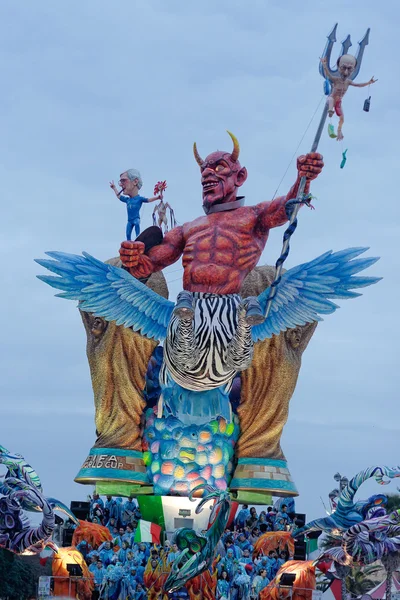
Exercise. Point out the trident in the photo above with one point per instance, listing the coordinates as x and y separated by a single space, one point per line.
293 206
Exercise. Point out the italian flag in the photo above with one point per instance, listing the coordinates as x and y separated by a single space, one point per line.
312 549
147 532
172 512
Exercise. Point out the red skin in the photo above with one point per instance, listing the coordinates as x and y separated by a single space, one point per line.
218 250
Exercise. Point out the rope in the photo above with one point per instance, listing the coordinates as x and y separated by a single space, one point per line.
298 146
174 270
294 206
289 207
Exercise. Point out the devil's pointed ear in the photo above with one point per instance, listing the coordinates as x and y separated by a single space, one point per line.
241 176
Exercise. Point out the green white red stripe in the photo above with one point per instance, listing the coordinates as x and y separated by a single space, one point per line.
165 510
147 532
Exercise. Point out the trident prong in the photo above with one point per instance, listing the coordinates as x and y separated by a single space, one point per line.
360 53
328 50
346 44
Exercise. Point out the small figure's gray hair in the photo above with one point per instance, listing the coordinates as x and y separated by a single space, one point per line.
134 174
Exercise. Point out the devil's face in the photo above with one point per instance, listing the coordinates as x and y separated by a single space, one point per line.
220 178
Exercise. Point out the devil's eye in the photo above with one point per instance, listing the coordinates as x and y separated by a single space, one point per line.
219 168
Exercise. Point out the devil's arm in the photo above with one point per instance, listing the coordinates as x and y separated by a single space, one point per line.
273 213
169 250
161 256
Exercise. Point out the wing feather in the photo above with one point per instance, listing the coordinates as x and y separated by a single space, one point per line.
306 291
108 292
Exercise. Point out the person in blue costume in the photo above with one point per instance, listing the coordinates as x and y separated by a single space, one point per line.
84 548
280 524
141 592
253 518
117 541
126 590
113 581
120 509
228 564
111 509
230 545
129 559
271 568
262 521
246 558
106 553
93 554
130 510
271 516
259 582
241 584
243 542
283 515
242 516
96 504
281 560
99 575
111 525
261 563
122 552
140 569
93 562
128 535
131 182
173 553
223 586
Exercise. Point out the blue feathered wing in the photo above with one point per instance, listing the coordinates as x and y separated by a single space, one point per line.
305 292
108 292
303 295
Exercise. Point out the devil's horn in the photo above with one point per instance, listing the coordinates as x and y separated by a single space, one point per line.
197 156
236 147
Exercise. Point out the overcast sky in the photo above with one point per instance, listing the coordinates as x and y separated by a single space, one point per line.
91 88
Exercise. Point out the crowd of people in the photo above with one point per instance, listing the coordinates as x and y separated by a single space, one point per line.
122 566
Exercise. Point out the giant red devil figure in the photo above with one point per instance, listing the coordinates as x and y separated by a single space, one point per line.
222 247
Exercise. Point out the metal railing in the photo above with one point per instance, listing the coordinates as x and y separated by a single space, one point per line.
52 586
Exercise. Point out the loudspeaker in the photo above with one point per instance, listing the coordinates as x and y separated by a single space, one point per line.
300 546
287 579
67 537
299 519
314 535
80 509
300 549
75 570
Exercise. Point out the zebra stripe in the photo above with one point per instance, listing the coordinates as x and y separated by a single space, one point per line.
205 353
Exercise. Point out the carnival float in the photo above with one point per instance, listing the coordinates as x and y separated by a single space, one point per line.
191 397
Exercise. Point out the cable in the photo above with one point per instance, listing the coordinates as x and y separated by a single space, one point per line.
174 270
298 146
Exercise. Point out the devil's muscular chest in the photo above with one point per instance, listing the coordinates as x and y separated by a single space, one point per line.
219 245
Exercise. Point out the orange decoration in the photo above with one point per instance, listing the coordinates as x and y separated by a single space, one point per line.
76 588
92 533
272 540
302 586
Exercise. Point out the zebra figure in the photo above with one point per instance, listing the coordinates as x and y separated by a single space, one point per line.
209 340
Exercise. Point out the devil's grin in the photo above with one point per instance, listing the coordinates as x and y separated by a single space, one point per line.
209 185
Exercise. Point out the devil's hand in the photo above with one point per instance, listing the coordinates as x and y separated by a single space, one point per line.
130 253
133 259
310 165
